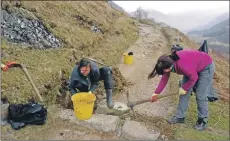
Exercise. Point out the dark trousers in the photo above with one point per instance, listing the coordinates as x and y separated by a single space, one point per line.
107 77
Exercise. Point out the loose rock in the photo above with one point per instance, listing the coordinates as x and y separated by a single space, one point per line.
105 123
19 29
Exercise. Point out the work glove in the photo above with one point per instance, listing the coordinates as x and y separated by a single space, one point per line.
154 97
11 64
4 67
182 91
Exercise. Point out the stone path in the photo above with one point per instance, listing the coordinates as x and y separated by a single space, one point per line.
150 45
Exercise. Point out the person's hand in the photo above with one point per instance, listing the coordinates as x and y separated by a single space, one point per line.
182 91
4 67
154 97
11 64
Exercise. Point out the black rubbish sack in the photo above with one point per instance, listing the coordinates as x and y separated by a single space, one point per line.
21 115
204 47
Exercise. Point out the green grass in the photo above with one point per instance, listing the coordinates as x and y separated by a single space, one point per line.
218 124
191 134
60 18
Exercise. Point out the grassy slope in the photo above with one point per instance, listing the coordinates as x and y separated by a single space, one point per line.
60 19
218 111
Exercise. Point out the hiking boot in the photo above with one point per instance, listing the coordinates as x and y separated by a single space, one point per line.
174 120
109 101
201 124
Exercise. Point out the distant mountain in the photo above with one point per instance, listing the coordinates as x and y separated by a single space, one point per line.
220 32
185 21
213 22
217 37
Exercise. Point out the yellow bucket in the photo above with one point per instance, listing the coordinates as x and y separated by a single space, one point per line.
83 104
128 59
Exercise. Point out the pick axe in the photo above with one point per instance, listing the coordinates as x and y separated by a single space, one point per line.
132 104
23 67
95 61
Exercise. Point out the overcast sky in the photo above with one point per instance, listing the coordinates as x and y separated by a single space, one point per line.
175 6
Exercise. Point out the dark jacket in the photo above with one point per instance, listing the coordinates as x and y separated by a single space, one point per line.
81 83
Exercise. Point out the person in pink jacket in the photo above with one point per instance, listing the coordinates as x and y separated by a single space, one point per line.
197 69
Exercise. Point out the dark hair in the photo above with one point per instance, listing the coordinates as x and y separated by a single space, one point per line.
84 62
163 62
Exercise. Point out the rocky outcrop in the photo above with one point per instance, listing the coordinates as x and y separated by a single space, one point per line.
18 28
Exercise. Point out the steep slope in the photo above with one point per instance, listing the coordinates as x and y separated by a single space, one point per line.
73 23
46 64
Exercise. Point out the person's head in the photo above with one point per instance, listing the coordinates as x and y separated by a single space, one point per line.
164 64
84 66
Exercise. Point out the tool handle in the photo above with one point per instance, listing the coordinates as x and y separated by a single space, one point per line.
95 61
141 101
149 100
31 82
165 95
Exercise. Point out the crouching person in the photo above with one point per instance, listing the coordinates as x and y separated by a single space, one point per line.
85 77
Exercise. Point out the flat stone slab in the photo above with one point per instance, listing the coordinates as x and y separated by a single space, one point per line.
118 109
4 113
133 130
106 123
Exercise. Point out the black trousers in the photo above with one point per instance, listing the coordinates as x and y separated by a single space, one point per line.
107 76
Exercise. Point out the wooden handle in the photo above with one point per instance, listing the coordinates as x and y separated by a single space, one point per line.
32 83
95 61
165 95
148 100
141 101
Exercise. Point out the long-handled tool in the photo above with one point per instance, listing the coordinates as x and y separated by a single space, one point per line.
23 67
31 82
131 107
95 61
132 104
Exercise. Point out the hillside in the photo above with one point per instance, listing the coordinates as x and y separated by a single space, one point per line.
52 36
74 29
